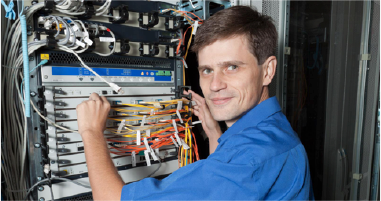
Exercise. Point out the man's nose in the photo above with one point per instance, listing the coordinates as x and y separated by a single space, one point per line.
217 83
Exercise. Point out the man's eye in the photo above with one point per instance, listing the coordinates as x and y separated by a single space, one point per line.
206 71
232 67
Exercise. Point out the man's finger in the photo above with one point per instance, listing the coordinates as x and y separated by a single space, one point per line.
196 113
104 99
196 97
94 96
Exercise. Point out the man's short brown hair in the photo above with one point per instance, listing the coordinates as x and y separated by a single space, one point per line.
240 20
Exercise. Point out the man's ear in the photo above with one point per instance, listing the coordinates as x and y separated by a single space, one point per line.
269 69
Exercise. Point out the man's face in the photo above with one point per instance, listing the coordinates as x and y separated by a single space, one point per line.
230 78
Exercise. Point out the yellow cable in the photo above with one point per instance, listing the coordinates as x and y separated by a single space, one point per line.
183 74
186 141
137 105
189 42
190 144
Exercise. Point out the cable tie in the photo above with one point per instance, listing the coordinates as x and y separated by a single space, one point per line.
185 145
10 13
148 161
178 139
179 106
108 30
133 159
174 125
138 141
146 144
195 26
148 133
152 112
121 125
153 154
143 121
174 142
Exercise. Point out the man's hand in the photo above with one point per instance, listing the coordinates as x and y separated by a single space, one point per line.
92 115
210 126
106 184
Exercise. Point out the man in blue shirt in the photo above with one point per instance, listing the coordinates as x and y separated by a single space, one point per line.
258 158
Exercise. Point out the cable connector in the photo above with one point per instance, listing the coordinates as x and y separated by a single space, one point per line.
43 62
116 88
164 10
46 168
88 41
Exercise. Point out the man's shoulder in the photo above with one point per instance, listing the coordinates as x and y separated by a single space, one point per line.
270 138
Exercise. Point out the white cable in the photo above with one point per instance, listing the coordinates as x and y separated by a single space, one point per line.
113 49
196 122
115 87
49 121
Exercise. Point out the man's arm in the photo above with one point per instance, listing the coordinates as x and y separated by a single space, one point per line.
210 126
105 181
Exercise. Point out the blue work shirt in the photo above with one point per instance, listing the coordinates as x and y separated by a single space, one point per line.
259 157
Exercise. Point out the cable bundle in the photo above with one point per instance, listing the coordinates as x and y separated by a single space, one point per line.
14 131
76 7
164 132
76 40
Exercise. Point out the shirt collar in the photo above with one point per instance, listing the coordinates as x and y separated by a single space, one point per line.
260 112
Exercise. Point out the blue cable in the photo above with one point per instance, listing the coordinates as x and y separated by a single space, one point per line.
26 63
10 13
43 62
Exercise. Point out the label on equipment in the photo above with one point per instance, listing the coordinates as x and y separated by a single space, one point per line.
174 142
45 56
146 152
138 141
133 160
153 155
106 39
